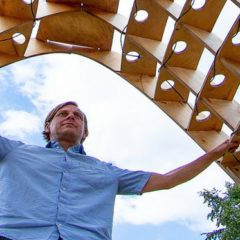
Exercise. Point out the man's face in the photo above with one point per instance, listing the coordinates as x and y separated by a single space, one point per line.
67 125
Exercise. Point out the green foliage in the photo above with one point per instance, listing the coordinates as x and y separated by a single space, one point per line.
225 210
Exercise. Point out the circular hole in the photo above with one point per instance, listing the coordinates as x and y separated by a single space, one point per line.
28 1
141 15
19 38
203 116
132 56
167 85
217 80
179 46
198 4
236 39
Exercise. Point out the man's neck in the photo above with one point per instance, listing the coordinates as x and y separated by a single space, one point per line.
66 144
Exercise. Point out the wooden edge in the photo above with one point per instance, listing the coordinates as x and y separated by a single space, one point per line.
46 9
109 59
224 89
143 63
106 5
233 66
230 50
208 140
191 79
207 39
237 2
179 112
19 9
156 49
189 53
6 23
203 17
227 111
203 119
7 59
145 83
153 26
169 88
118 21
172 8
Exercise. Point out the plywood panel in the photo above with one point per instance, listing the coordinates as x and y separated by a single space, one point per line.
192 79
144 65
9 43
7 23
225 90
118 21
88 30
178 111
46 9
37 47
7 59
233 66
187 58
205 17
111 60
107 5
172 8
228 111
153 27
18 9
155 48
229 50
208 140
144 83
209 121
169 89
208 39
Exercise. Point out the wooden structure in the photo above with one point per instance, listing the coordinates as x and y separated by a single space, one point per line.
166 71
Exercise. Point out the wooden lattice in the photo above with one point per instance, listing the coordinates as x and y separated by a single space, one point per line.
169 77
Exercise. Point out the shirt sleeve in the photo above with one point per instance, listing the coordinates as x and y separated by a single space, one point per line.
130 182
7 145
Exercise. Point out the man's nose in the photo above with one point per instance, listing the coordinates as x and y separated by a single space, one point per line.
71 116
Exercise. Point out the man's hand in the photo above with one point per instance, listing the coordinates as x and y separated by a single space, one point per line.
227 146
189 171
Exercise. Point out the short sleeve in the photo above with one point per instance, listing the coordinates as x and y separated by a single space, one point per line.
7 145
130 182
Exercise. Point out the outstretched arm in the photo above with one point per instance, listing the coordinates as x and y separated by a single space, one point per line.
188 171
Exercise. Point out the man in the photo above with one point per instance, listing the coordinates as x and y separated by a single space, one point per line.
59 192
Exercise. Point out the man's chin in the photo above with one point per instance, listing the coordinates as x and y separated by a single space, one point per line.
70 135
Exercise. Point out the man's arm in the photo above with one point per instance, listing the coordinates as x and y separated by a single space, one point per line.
188 171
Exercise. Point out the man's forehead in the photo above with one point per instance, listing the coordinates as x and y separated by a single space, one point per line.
70 107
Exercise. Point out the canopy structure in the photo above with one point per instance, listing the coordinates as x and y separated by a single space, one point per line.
169 50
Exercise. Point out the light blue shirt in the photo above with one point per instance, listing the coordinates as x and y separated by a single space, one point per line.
47 192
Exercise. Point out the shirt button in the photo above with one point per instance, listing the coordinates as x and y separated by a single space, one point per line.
59 224
63 188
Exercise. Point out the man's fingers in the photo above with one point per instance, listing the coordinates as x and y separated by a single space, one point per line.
233 146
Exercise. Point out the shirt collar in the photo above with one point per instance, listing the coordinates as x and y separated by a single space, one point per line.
77 148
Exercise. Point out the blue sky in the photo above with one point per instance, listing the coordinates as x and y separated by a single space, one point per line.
126 129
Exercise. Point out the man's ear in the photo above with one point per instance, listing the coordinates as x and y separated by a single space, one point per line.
47 128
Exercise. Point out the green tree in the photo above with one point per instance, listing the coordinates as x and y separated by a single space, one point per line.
225 211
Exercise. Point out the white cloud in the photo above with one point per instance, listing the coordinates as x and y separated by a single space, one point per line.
19 123
182 204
